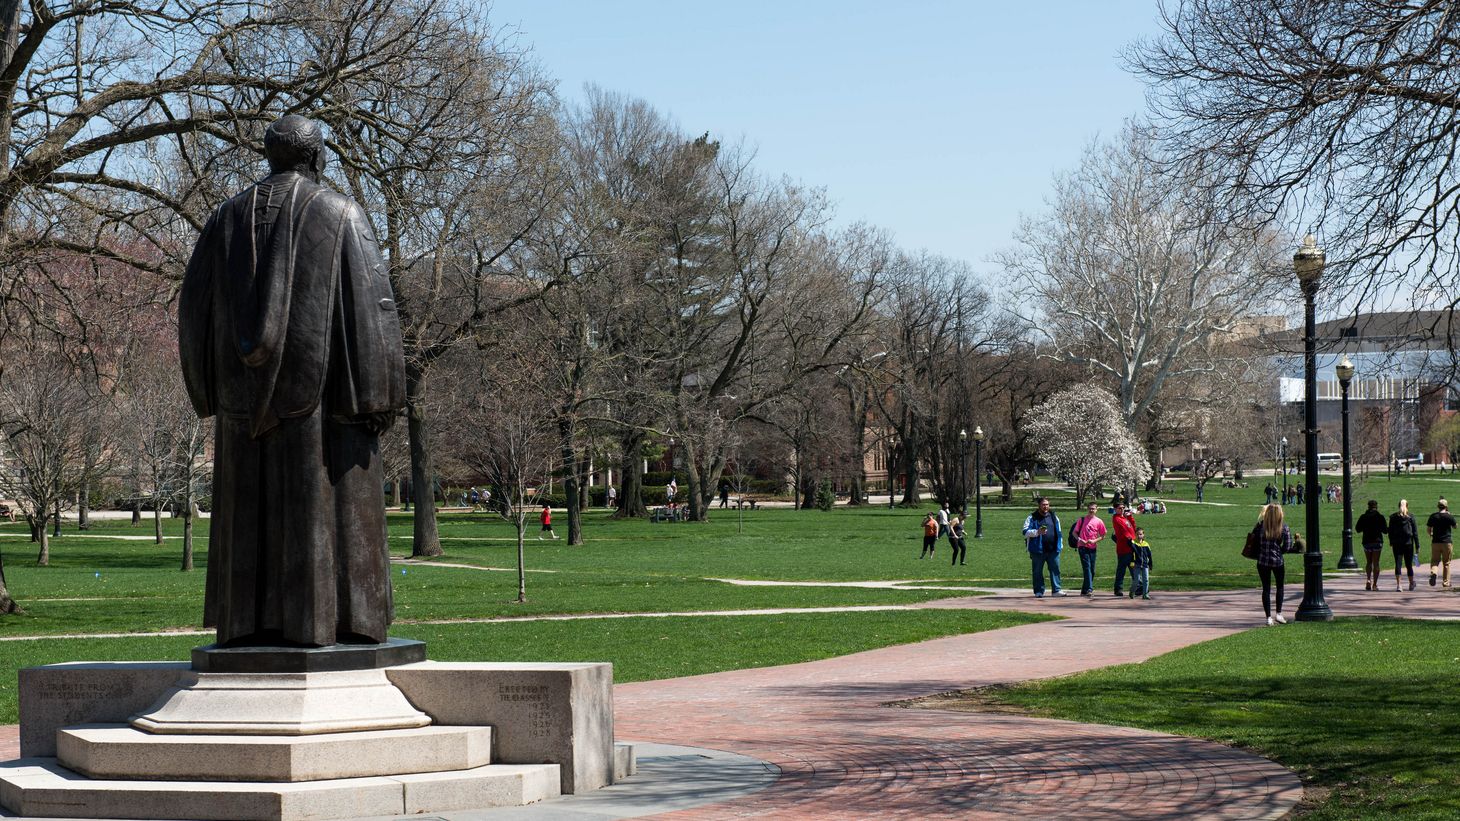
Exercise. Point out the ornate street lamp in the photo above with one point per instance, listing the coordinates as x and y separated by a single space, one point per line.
1283 461
1345 373
977 482
1308 264
963 471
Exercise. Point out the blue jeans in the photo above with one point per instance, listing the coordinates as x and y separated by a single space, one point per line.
1121 563
1140 581
1087 571
1039 560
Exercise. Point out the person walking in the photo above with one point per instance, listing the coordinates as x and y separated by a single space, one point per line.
942 520
547 522
1270 492
1441 527
1086 535
1042 539
1123 523
957 541
611 498
1371 528
1404 541
1140 574
930 535
1274 540
724 494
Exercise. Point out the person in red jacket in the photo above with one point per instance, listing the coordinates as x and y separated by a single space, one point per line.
1123 523
547 522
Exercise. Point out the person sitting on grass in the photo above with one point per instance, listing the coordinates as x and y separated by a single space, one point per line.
1140 565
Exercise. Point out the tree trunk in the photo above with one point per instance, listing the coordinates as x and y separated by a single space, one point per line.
187 557
44 557
425 539
83 507
7 604
570 480
157 521
57 531
910 494
136 511
35 533
395 492
631 478
694 482
521 522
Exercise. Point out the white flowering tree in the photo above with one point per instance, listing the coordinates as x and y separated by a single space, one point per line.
1079 434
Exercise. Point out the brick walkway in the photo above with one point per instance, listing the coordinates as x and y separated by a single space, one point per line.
843 755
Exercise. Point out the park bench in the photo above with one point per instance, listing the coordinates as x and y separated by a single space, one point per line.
665 514
746 501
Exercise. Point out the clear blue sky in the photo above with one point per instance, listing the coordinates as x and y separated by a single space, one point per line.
941 121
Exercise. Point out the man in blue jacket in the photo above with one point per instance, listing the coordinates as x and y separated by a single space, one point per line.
1042 538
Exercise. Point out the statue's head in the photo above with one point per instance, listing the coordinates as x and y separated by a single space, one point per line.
294 143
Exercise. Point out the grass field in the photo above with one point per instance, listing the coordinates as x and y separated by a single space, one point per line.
1360 708
101 581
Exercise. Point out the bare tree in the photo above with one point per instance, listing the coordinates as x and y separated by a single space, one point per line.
1336 116
167 441
1133 273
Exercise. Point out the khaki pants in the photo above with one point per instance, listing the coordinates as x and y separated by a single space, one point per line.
1440 555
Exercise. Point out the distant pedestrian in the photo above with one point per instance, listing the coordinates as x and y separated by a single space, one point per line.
724 494
1123 527
956 540
1270 492
1274 540
1441 527
942 520
611 498
930 535
1086 535
1371 527
1301 492
1140 575
1201 486
1042 539
1403 541
547 522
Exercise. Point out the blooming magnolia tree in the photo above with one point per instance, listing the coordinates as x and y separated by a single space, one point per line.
1079 435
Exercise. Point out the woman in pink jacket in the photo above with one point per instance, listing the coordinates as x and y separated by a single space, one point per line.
1086 535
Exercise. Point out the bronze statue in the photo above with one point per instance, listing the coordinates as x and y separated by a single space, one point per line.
288 333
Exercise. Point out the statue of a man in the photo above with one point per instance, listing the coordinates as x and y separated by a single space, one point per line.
288 333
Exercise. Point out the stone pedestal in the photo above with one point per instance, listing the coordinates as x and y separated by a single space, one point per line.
280 704
269 745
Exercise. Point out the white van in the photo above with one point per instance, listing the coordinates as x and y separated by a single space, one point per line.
1330 461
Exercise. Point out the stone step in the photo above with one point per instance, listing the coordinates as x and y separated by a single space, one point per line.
40 787
117 751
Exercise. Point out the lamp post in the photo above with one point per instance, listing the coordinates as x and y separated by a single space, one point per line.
1283 460
891 472
1308 264
963 471
977 482
1345 373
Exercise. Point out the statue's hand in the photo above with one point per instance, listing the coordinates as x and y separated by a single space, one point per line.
378 423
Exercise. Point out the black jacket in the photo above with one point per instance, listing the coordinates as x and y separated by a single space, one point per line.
1372 527
1403 532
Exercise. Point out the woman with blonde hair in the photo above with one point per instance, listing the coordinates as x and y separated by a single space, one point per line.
1404 541
1273 541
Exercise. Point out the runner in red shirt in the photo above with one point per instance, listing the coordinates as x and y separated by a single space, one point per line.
547 522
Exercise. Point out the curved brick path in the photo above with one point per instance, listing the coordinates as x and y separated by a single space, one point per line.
843 755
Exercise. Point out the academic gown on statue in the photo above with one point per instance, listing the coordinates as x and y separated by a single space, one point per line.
288 332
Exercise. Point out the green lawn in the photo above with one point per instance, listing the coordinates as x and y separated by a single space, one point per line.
1361 708
640 648
100 584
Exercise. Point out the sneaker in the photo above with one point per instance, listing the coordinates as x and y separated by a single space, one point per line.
1278 617
1398 588
1433 578
1118 594
1146 596
1368 586
1038 595
1269 621
1411 584
1063 593
1087 594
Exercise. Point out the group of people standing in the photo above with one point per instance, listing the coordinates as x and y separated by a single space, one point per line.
941 523
1044 540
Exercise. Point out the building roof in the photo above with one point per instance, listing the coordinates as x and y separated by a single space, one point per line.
1380 332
